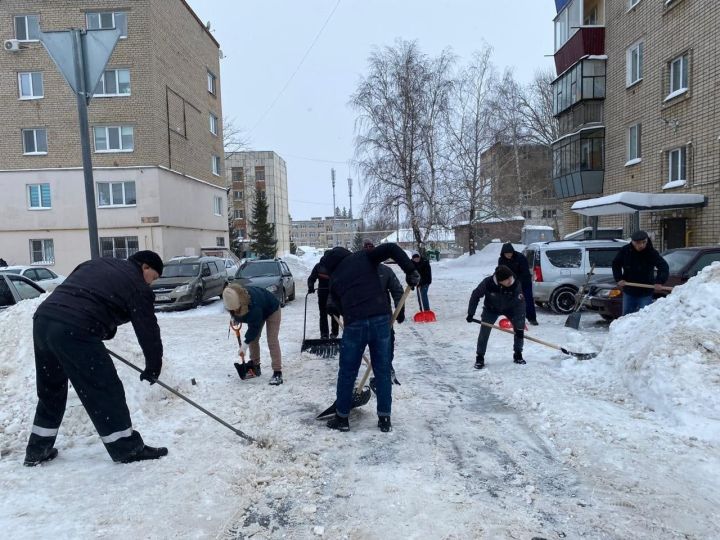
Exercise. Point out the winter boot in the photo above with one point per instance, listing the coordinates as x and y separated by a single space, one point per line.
339 423
276 379
333 336
479 361
256 369
32 459
517 358
146 452
384 424
533 322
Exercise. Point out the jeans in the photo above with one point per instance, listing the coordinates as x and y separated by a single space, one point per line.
518 321
631 304
423 290
373 332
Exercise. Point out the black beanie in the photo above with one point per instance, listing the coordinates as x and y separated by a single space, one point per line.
150 258
502 272
507 248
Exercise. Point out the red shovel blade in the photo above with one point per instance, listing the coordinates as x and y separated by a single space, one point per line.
425 316
506 324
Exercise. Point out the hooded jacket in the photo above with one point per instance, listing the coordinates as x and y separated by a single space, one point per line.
518 263
507 301
423 268
355 287
262 304
639 267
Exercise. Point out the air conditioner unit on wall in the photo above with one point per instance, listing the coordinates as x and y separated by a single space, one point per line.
12 45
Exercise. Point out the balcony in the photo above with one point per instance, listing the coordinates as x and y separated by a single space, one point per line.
579 163
588 40
582 114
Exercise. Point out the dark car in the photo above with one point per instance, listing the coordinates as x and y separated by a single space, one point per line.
605 297
273 275
14 288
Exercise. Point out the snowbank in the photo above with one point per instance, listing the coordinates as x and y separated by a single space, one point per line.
476 267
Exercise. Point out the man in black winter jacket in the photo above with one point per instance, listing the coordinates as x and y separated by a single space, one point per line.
69 328
423 268
356 291
503 296
637 262
518 263
320 275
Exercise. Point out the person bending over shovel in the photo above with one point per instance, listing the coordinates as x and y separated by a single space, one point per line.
356 291
503 296
255 307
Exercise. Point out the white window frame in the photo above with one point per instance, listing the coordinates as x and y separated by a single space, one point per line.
681 165
111 197
27 27
116 249
214 124
636 48
220 242
47 251
116 74
683 85
217 205
114 22
238 214
29 76
39 187
107 139
35 132
631 4
215 165
634 152
211 83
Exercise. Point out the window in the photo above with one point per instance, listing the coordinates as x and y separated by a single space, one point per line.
113 138
42 252
215 163
113 82
702 262
34 142
678 76
677 165
633 154
238 174
564 258
237 195
634 63
106 20
632 3
30 85
116 193
527 214
211 83
42 274
217 205
220 241
603 257
213 124
239 214
39 196
547 214
118 247
584 81
27 27
259 174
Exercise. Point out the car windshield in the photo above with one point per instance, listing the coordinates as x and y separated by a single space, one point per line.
677 260
10 270
181 270
269 268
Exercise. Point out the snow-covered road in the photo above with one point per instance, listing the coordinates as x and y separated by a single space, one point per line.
554 449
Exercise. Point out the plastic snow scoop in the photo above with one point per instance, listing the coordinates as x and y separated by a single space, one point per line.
245 369
361 394
424 315
507 324
573 320
324 347
579 356
190 401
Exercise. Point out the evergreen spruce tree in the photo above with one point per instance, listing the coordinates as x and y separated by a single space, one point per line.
358 241
263 233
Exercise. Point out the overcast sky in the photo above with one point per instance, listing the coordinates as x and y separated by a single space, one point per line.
309 123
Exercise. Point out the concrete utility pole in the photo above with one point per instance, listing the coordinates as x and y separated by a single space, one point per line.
332 177
350 193
81 57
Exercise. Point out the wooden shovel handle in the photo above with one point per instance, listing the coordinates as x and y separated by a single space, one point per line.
646 286
531 338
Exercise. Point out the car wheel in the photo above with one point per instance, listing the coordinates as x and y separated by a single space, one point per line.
283 300
562 300
198 297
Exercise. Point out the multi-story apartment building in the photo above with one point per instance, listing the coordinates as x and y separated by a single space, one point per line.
326 232
521 183
250 171
155 130
658 165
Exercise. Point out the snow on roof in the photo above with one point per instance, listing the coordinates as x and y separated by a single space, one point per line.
437 234
537 228
628 202
480 221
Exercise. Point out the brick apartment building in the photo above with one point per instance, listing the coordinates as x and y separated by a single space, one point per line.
636 96
155 130
326 232
247 172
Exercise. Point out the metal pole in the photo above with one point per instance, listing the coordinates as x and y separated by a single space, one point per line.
397 209
82 99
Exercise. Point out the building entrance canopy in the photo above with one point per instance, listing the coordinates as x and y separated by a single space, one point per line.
629 202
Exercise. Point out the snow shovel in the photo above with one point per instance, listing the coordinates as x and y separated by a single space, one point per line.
579 356
361 394
424 315
246 369
324 347
573 320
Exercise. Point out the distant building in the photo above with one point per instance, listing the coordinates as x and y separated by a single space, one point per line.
507 229
155 128
327 232
439 238
247 172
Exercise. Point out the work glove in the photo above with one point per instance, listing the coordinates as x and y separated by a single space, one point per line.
242 349
412 278
311 289
401 316
469 318
151 373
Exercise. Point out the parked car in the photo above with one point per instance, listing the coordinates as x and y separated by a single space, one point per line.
561 268
189 281
605 297
15 288
273 275
46 278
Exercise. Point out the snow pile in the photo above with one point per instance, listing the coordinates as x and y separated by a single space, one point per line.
303 265
668 355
